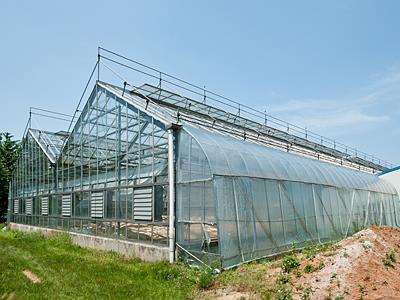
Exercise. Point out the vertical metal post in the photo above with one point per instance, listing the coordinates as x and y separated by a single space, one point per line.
171 177
98 64
367 210
315 213
118 168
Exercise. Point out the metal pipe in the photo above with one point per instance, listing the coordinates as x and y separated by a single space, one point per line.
171 177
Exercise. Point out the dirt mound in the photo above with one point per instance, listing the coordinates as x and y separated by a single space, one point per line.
364 266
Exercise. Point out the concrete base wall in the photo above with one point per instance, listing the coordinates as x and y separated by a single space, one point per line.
145 252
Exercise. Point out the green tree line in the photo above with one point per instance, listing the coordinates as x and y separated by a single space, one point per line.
9 151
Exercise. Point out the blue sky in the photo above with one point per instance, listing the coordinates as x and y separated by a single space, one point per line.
330 66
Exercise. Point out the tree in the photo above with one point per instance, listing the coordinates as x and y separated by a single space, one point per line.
9 151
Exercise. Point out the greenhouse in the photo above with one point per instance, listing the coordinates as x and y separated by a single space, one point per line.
149 165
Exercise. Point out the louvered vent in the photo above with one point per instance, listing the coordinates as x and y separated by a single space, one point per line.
66 205
45 205
16 206
142 204
28 206
97 205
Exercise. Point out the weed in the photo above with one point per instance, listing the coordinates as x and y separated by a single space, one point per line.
389 259
326 249
205 280
309 268
215 265
306 294
391 255
283 279
265 294
362 289
387 262
293 248
283 293
289 263
297 274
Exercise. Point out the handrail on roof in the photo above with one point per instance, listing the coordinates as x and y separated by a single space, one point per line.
206 94
218 101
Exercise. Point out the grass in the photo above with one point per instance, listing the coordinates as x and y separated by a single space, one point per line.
70 272
250 277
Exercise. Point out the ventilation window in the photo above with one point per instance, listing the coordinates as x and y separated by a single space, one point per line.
16 206
142 204
28 206
45 205
66 205
97 205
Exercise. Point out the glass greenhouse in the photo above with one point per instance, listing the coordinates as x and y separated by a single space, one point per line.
152 166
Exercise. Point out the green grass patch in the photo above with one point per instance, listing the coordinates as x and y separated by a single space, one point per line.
70 272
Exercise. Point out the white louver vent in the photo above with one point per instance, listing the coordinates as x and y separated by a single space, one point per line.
45 206
28 206
16 206
97 205
142 204
66 205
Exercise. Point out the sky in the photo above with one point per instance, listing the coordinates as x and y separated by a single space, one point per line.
330 66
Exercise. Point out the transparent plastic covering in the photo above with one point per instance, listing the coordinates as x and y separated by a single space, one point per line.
238 201
230 156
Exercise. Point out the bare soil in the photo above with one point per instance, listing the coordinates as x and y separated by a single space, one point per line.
32 277
357 269
353 268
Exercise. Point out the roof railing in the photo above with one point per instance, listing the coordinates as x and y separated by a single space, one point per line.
231 105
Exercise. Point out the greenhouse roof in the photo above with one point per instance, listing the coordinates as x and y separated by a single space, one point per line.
51 143
169 108
257 161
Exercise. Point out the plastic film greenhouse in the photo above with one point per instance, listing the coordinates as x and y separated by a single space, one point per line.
169 164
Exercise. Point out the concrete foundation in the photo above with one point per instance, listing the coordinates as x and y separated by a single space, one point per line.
146 252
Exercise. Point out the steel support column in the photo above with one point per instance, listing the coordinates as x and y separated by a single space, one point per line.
171 177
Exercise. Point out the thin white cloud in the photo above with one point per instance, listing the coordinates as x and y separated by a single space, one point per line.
375 104
300 105
343 119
